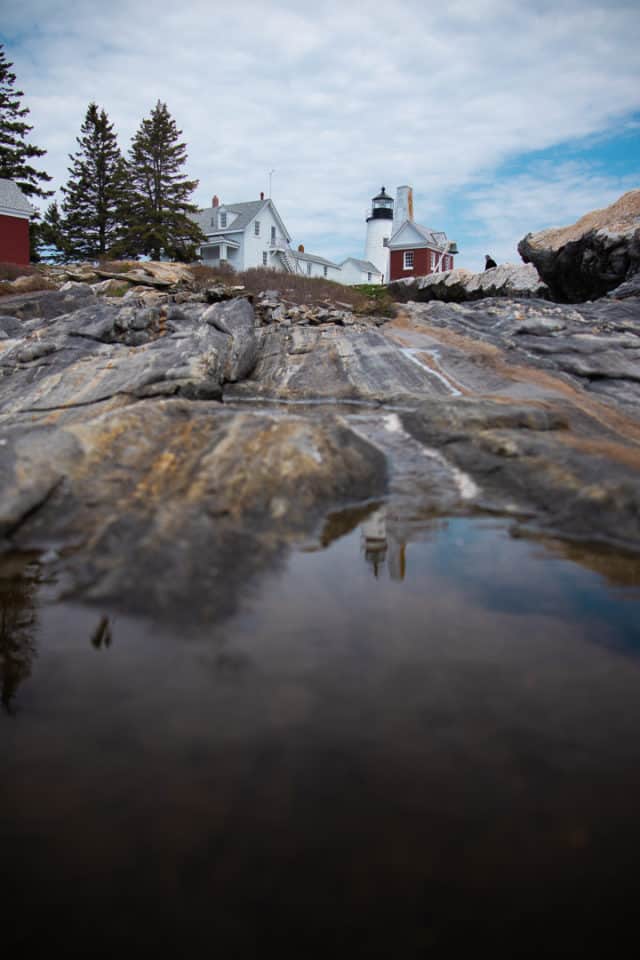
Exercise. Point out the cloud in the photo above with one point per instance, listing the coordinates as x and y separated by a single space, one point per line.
336 100
498 215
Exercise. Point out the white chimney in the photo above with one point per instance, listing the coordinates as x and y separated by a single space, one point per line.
404 206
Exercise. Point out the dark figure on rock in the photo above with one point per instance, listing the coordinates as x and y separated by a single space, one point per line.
489 262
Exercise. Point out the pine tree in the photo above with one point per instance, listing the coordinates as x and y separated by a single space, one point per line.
160 209
96 192
52 241
15 150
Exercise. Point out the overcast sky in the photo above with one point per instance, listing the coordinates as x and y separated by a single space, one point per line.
504 117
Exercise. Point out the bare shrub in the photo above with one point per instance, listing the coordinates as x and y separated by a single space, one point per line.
204 276
11 271
301 289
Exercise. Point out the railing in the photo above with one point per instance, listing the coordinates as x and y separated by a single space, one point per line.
278 242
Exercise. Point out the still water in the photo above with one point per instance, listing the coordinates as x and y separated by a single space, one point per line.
391 747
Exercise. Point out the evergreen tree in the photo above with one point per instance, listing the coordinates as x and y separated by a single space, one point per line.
15 151
52 241
96 192
160 204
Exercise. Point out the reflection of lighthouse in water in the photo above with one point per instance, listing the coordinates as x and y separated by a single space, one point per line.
380 548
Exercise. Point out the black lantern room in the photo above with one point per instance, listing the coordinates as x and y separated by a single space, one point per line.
381 207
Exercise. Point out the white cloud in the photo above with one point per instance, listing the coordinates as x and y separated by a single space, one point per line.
499 215
334 97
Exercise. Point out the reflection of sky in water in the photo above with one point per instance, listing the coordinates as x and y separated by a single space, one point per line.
465 737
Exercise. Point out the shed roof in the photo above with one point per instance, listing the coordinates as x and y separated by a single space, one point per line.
13 200
313 259
365 265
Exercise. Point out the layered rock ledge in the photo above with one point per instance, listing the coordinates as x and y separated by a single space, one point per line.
158 445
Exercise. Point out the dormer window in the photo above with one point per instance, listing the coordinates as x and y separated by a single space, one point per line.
256 228
223 220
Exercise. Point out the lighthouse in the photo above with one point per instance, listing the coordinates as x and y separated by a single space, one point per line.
379 223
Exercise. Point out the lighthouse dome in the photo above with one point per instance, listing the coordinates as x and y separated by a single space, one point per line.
381 207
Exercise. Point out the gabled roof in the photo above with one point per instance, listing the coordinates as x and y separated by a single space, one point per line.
13 200
364 265
246 212
312 258
423 236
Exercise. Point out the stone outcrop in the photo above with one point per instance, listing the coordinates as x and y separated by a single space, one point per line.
107 348
159 440
591 257
457 286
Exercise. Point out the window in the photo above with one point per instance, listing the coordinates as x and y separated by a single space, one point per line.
309 269
213 221
256 228
368 278
264 258
408 260
273 234
223 220
325 271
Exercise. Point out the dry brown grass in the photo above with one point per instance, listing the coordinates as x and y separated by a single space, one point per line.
11 271
297 288
32 283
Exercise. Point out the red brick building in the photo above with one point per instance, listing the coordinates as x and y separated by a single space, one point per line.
416 251
15 213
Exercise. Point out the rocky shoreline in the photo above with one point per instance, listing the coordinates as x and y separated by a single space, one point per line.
170 439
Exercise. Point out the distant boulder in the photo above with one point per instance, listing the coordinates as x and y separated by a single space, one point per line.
591 257
457 286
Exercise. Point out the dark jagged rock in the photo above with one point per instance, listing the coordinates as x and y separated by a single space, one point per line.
593 256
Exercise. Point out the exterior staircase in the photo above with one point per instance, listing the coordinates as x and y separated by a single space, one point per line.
287 259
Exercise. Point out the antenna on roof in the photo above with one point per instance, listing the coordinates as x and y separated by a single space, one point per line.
271 173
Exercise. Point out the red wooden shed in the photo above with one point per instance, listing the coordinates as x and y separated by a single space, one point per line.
15 213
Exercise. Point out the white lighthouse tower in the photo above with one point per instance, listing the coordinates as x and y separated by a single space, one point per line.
379 224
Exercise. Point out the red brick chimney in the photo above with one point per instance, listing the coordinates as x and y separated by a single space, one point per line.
301 248
216 201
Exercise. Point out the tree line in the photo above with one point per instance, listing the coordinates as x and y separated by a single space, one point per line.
112 206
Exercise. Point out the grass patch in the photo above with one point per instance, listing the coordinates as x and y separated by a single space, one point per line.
120 290
380 300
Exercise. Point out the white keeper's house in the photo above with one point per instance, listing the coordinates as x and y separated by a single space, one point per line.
252 234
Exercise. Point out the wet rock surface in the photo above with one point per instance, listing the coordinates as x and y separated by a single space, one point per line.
187 438
168 498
